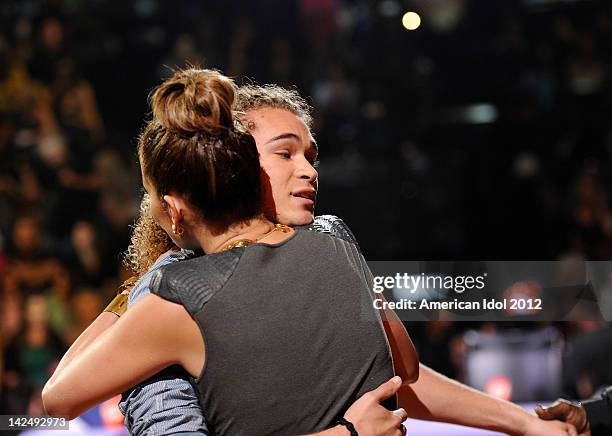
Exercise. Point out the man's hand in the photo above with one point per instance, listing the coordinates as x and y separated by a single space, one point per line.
372 419
568 412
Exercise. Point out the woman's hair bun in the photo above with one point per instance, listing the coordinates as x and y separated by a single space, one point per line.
195 100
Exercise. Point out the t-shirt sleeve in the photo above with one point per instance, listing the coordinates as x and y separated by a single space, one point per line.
142 287
193 282
161 284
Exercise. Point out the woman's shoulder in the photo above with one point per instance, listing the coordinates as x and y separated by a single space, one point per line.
192 282
142 286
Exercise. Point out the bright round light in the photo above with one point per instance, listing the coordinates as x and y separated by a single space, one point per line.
411 20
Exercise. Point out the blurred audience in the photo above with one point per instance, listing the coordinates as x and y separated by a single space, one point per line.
494 150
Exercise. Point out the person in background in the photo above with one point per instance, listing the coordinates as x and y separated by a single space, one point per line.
591 417
30 272
31 356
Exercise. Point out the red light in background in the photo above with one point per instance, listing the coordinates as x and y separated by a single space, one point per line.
500 387
112 418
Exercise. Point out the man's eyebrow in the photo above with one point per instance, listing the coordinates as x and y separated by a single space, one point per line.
284 136
313 143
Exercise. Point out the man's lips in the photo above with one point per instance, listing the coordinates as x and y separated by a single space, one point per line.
307 194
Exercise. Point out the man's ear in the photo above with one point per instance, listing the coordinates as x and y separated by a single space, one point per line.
175 208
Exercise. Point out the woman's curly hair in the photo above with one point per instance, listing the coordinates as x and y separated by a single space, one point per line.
148 242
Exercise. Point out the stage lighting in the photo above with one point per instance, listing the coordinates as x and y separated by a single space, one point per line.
411 20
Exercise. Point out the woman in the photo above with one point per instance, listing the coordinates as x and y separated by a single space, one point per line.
193 137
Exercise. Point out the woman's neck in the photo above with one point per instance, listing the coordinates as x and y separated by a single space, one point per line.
253 230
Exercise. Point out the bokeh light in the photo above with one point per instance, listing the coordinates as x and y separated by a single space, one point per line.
411 20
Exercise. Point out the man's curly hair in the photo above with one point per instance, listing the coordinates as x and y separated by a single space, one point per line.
252 96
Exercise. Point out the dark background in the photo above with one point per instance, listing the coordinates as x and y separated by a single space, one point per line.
484 134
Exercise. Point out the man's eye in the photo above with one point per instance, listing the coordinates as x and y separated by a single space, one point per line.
284 154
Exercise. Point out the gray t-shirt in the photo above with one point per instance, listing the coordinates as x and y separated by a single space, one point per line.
292 338
170 404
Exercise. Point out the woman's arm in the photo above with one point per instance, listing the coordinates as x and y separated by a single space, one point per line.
103 322
134 348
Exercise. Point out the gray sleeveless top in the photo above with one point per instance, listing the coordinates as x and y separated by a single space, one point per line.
292 338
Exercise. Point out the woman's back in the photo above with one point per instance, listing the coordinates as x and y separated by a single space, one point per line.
292 338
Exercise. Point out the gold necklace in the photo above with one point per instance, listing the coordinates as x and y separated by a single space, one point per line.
241 243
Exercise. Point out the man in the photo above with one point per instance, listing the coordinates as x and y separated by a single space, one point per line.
591 417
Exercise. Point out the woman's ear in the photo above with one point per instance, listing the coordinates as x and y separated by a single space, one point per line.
175 208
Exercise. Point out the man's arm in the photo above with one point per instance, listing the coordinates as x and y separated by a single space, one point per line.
437 398
434 397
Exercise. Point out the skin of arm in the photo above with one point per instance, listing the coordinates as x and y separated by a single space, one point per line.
430 396
435 398
101 369
405 357
104 321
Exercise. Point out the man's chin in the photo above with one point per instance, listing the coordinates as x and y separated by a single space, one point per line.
301 219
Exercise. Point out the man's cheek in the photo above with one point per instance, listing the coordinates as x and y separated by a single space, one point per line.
267 194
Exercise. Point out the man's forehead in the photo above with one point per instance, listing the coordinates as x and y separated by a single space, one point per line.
276 124
270 117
